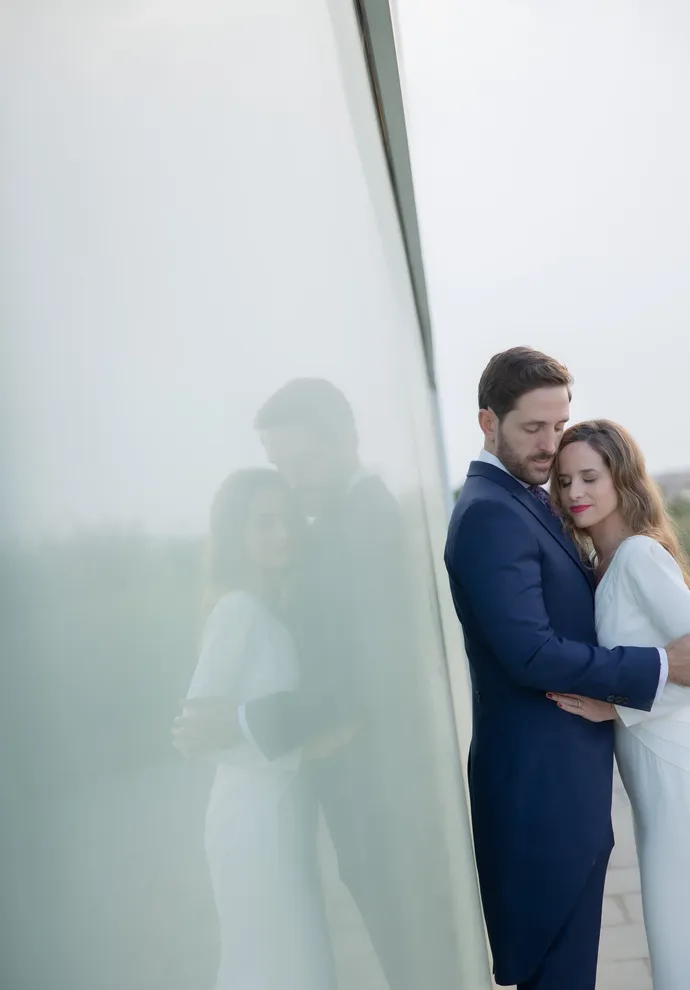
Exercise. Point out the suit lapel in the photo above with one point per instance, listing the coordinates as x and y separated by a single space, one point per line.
539 511
552 524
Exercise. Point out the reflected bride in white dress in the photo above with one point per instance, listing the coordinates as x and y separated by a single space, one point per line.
261 818
642 599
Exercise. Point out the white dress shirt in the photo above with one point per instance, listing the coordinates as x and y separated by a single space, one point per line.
488 458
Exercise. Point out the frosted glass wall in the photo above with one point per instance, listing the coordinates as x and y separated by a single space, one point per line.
198 230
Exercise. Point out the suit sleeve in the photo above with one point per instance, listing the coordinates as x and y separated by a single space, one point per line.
495 559
278 723
657 588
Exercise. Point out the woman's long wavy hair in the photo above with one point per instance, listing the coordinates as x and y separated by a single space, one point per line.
640 501
226 564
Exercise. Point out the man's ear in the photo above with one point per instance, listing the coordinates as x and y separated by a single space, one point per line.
488 424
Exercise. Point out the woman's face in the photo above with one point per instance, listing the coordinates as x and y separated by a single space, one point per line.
271 530
586 487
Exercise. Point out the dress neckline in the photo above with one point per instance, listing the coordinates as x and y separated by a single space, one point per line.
610 568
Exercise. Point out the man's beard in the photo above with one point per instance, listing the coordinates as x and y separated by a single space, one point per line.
530 470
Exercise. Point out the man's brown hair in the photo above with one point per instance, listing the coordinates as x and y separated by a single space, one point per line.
513 373
312 403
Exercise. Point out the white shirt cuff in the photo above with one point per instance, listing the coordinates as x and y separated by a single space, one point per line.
663 674
244 725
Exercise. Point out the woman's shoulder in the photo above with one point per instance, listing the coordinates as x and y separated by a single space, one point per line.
644 552
237 608
238 601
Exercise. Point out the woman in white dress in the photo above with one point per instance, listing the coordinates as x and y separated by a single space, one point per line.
261 818
614 510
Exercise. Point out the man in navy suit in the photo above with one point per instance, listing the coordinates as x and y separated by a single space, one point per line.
540 781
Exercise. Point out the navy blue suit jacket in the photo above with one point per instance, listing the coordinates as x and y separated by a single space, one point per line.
540 778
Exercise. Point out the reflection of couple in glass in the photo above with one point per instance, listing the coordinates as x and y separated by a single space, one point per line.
313 548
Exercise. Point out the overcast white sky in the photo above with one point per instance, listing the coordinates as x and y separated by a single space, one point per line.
551 151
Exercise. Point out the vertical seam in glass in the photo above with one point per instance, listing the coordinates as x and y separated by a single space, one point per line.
378 42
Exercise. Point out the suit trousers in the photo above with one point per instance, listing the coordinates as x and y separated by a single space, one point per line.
571 961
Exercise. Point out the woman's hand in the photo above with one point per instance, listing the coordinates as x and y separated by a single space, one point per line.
206 725
593 711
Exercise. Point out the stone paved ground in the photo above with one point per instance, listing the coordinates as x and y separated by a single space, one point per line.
623 958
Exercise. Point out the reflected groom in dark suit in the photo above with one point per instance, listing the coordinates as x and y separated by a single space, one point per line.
359 685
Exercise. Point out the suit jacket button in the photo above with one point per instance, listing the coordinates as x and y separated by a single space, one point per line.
618 700
624 701
611 699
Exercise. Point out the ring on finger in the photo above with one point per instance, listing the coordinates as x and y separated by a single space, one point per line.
579 702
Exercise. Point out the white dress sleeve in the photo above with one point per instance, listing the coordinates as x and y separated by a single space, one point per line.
225 650
659 590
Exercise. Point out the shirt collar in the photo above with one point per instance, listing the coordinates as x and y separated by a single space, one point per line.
361 475
488 458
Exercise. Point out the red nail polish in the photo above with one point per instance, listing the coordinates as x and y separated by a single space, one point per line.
550 696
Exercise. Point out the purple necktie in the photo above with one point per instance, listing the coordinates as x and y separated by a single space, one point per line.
542 496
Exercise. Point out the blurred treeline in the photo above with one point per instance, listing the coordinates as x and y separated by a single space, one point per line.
680 510
99 639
